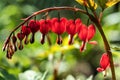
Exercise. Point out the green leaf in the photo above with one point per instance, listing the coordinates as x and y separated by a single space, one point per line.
7 75
102 3
1 78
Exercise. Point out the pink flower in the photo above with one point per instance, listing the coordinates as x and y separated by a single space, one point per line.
86 34
72 28
26 30
20 36
59 27
104 63
45 26
34 27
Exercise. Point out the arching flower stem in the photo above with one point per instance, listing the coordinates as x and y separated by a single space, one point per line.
95 19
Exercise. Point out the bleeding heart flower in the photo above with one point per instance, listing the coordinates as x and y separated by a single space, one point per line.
26 31
34 27
20 36
86 34
78 24
72 28
104 62
91 32
59 27
45 26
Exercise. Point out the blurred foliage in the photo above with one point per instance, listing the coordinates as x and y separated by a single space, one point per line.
37 62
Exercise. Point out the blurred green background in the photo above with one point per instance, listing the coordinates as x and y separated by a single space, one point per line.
39 62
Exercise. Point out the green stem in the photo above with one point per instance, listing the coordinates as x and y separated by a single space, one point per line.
108 50
106 44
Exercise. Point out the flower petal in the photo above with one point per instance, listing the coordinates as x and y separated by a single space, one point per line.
93 42
104 61
100 69
45 26
71 27
78 24
83 33
91 32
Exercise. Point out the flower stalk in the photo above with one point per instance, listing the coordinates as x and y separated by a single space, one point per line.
106 44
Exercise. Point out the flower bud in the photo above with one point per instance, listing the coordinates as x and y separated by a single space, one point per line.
8 55
20 36
10 51
14 40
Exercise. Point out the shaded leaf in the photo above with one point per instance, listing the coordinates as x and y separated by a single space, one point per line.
7 75
1 78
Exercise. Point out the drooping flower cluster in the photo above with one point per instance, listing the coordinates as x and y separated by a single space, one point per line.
56 25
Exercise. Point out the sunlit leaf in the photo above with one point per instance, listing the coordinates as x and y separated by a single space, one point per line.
116 48
116 53
89 3
80 1
107 3
93 4
112 2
